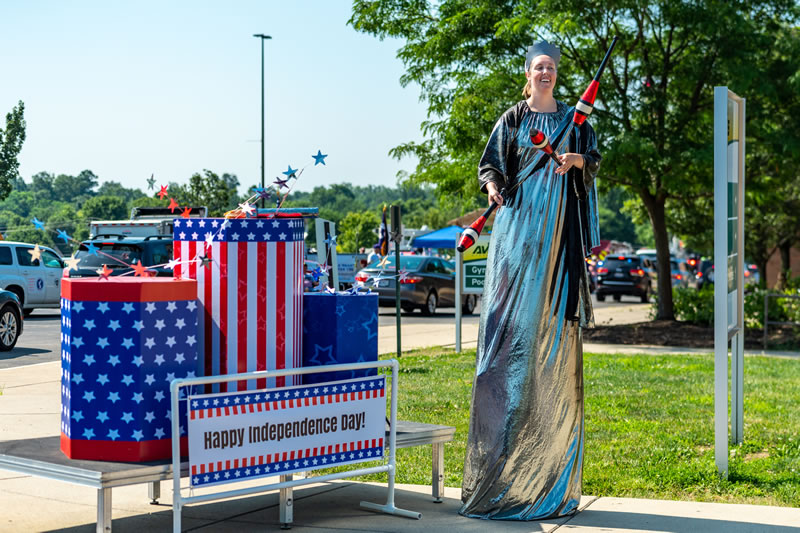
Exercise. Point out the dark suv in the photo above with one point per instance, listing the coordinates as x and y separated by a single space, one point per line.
117 252
621 275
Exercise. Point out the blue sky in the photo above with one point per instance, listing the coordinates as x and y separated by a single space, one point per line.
130 89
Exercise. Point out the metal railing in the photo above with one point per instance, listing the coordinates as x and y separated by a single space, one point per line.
778 296
286 482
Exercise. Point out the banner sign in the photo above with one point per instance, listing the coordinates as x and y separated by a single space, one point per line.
237 436
474 262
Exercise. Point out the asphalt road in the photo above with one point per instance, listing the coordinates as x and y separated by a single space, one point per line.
41 336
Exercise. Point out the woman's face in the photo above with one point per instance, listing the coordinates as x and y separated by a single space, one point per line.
542 73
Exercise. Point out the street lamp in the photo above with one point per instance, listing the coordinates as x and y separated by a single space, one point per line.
263 38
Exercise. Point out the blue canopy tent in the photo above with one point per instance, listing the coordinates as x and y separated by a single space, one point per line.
441 238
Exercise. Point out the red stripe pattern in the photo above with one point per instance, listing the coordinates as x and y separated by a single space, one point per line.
249 276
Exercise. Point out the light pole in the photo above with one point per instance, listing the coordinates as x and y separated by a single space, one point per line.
263 38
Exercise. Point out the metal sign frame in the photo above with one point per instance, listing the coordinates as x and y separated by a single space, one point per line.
729 181
460 289
286 483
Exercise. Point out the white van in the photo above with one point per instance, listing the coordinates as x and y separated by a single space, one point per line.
37 283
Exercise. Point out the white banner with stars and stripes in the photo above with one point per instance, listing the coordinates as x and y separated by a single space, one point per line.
248 434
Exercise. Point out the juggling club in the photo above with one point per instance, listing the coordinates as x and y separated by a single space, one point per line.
585 104
541 142
470 234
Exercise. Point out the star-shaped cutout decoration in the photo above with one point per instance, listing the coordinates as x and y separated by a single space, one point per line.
290 172
263 193
281 184
247 208
173 263
91 248
402 276
186 212
204 260
151 182
172 205
36 253
38 224
319 158
163 192
104 272
331 240
384 261
63 235
72 262
139 269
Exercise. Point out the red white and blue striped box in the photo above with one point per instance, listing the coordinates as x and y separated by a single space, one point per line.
250 294
123 340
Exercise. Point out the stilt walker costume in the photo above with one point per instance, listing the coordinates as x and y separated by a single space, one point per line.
525 449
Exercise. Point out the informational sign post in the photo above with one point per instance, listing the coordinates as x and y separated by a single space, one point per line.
729 178
249 434
470 273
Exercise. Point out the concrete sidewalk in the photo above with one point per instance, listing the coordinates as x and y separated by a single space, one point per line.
29 407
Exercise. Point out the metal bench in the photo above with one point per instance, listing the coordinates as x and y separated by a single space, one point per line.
42 457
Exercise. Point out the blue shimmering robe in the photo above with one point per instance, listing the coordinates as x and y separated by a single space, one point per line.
525 449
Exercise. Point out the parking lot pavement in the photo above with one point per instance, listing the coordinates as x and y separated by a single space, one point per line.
40 341
41 337
418 331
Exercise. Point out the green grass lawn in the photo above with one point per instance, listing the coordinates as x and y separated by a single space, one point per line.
649 425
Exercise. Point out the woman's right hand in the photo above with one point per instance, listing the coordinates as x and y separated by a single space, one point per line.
494 194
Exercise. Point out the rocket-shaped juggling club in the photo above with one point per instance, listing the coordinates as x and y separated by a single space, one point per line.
585 104
541 142
471 234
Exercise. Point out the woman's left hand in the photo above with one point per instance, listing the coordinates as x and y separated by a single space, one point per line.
568 161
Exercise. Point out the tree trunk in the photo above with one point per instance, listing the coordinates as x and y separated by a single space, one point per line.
785 249
655 208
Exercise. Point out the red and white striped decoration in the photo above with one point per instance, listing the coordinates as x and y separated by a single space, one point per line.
250 295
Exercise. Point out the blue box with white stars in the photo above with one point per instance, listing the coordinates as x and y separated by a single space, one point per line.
123 340
339 328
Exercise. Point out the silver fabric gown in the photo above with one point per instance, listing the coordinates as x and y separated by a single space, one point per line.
525 449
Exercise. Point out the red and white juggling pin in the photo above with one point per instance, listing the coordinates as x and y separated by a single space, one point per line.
585 104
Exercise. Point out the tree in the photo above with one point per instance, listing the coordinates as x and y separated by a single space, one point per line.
217 193
655 106
104 208
355 231
11 140
75 189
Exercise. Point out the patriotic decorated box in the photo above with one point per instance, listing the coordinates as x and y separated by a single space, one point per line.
123 340
337 329
249 274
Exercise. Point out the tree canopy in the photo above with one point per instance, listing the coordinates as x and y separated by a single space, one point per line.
655 105
11 140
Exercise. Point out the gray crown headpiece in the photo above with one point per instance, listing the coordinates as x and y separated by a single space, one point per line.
542 48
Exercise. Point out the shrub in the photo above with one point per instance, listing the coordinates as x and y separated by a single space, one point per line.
691 305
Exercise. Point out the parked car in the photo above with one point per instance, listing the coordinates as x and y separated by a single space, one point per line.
10 320
680 273
623 275
751 274
704 274
430 283
117 252
36 282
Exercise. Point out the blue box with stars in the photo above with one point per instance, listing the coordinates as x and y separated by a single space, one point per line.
123 340
337 329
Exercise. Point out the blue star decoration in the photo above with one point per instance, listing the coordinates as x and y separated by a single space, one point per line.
319 158
91 248
331 240
320 350
291 172
151 182
63 235
263 193
38 223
